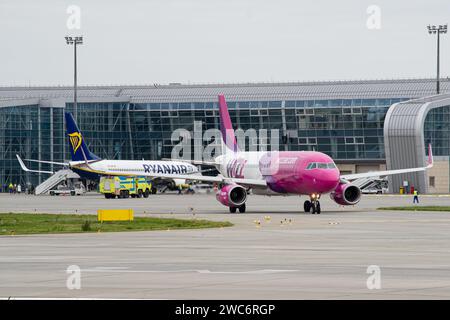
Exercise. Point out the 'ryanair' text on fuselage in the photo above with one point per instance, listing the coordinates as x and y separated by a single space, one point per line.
167 169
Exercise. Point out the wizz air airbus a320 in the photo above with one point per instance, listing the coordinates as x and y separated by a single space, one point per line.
306 173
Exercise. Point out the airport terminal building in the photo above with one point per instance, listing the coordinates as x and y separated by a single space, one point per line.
362 125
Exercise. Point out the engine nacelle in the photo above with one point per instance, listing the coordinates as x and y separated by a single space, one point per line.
232 195
346 194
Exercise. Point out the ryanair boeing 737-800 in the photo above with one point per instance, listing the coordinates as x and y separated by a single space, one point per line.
90 166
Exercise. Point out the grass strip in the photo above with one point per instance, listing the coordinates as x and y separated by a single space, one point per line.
34 223
417 208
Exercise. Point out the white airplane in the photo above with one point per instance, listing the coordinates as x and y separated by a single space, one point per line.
90 166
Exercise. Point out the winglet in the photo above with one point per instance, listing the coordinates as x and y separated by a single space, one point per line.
22 165
430 156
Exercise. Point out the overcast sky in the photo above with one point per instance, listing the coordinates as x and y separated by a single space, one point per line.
204 41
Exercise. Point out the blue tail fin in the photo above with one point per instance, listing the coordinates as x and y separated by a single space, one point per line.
78 149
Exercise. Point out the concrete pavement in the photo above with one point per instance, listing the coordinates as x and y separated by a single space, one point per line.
292 256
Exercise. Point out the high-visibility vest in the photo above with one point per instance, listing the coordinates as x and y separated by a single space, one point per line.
415 192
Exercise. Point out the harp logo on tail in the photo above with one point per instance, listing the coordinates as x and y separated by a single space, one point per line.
75 140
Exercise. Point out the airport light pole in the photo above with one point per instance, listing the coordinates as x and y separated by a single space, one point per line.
74 41
437 30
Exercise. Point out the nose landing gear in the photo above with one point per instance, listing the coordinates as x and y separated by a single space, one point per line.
242 209
312 206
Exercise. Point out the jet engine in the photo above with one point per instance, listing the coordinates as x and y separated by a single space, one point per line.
232 195
346 194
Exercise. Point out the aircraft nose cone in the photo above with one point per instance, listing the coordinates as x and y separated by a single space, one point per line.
328 180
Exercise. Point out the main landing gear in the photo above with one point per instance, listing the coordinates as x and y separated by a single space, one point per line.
312 206
241 209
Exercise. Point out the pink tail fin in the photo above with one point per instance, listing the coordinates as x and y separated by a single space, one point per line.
226 128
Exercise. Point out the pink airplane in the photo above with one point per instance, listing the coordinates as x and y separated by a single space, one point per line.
307 173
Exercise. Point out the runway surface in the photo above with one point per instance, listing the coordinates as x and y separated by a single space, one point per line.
291 256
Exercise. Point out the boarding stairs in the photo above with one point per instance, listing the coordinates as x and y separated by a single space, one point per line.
54 180
163 189
364 183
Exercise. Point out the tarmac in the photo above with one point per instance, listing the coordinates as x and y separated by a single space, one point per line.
274 251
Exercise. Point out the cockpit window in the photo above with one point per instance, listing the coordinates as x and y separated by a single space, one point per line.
321 165
312 165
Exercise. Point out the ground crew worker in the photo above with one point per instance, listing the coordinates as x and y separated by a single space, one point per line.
416 197
19 189
10 187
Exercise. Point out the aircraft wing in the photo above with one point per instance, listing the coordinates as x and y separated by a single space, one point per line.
217 179
247 182
24 168
50 162
355 176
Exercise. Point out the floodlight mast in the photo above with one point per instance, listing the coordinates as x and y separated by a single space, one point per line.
437 30
74 41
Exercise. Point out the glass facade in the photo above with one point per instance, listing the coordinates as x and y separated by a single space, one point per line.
437 131
345 129
32 132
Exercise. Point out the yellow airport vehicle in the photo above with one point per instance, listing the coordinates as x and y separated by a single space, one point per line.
124 187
